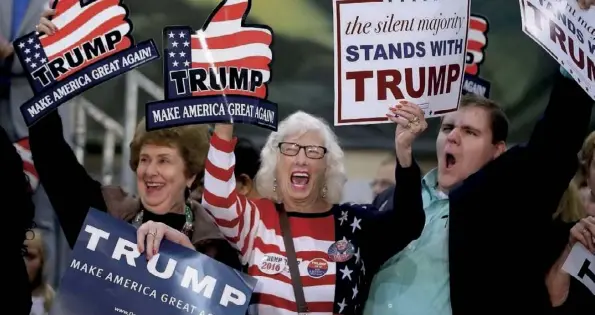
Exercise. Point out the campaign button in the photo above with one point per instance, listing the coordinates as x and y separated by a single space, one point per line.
341 251
317 268
272 264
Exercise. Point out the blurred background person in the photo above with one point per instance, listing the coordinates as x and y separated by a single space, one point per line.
42 292
586 174
385 176
247 165
18 18
15 194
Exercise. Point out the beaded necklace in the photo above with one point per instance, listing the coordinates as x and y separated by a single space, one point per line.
187 229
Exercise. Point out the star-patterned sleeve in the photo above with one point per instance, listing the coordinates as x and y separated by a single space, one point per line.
398 227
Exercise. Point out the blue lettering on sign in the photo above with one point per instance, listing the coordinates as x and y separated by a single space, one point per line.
97 73
107 273
212 109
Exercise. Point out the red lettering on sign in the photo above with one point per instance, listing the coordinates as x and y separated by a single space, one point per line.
429 81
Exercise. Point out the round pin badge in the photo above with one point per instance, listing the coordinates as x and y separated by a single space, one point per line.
317 268
341 251
272 264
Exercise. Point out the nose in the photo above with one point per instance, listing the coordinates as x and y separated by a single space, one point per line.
151 169
454 136
301 158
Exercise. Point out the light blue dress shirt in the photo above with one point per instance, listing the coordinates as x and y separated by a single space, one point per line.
416 281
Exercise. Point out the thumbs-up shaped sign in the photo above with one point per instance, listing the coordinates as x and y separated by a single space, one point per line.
218 73
92 44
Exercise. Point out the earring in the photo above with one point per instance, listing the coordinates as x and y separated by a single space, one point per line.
324 191
275 185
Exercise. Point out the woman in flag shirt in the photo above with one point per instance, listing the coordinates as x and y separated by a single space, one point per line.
338 246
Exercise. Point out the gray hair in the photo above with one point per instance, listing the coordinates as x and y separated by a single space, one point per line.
297 124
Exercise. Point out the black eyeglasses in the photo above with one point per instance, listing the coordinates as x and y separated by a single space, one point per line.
292 149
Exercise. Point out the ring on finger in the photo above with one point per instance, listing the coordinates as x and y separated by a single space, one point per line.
153 233
415 120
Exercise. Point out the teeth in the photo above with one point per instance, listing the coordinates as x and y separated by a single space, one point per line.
297 174
154 184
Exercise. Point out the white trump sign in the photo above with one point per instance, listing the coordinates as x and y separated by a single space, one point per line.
567 33
386 51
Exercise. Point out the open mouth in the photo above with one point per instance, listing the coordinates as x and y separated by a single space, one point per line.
153 187
450 160
300 179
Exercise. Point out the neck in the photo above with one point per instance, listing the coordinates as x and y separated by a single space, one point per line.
307 206
178 207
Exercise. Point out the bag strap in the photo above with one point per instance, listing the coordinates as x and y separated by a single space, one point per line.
294 271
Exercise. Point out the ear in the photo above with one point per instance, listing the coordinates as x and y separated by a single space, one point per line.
500 148
190 180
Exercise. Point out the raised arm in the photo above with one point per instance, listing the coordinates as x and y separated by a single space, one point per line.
407 218
559 134
235 215
70 189
402 223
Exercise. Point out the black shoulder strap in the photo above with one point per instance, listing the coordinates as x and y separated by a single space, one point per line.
294 270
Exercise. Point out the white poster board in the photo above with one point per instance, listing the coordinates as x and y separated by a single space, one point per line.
567 33
581 265
391 50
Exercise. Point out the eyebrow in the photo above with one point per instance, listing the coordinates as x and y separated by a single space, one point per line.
464 127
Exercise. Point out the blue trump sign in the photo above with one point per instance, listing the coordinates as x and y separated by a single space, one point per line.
107 275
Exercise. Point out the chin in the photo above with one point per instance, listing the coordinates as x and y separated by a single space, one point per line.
155 206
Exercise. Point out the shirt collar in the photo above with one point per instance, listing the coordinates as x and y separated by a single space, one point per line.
430 184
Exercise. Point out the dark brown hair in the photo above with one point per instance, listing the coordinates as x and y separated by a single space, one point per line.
498 119
192 141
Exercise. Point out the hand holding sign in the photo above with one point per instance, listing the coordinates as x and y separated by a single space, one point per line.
86 43
584 233
217 74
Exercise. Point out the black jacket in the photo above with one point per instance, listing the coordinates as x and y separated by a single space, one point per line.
499 215
18 205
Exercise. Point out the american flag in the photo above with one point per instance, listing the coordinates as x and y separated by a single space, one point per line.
24 151
224 42
76 25
476 43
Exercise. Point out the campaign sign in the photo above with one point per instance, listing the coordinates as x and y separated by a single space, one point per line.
387 51
567 33
107 275
216 74
477 42
581 265
92 45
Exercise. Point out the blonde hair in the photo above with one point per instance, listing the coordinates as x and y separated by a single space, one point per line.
47 292
570 209
299 123
585 157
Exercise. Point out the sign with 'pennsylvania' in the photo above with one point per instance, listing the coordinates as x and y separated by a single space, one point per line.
219 73
107 275
92 45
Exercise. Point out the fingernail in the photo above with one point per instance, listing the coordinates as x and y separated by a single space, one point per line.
403 102
154 251
399 106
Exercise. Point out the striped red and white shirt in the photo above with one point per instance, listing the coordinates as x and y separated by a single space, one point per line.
253 227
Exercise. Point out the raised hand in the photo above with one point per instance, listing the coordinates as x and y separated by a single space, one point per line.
45 25
586 4
410 122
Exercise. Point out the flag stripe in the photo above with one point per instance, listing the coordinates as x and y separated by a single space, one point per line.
237 39
230 12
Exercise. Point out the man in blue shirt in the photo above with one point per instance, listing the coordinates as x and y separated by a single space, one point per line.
483 205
